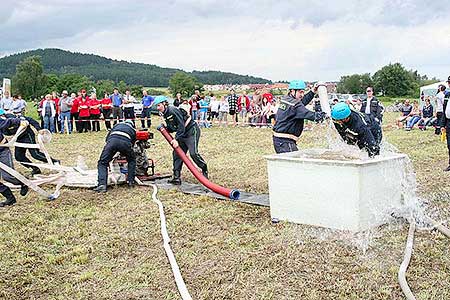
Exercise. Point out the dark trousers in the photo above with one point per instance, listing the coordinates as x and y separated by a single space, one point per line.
146 114
117 113
28 137
190 142
114 145
128 113
438 128
95 122
57 123
85 124
107 117
283 145
6 158
74 116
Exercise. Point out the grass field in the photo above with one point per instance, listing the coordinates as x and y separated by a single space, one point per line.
90 246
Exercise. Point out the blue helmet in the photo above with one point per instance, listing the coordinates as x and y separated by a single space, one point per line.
340 111
297 85
159 99
2 111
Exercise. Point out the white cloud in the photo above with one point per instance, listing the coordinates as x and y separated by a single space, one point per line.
273 39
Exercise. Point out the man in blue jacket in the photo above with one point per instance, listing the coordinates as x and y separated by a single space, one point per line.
291 116
355 128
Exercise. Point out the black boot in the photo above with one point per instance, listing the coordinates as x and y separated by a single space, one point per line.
23 190
100 189
10 199
176 180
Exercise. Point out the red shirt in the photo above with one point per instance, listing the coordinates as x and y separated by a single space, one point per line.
92 109
58 108
74 108
268 96
243 102
83 107
106 103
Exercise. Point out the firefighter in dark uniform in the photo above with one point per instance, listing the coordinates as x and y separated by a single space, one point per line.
187 136
357 129
372 107
6 158
291 117
27 137
444 123
120 138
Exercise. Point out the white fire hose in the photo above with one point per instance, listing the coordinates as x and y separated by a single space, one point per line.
166 240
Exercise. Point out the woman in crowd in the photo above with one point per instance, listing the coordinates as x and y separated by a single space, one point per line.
84 114
223 111
94 111
48 113
427 114
107 110
414 116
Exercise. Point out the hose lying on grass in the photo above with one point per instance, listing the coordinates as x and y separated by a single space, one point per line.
173 263
408 253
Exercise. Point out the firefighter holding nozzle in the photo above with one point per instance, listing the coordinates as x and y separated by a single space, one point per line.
121 138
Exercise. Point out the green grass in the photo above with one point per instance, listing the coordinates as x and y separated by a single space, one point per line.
90 246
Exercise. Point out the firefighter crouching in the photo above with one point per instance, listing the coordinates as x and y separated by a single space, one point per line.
120 138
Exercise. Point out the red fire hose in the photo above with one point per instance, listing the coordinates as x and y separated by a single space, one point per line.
232 194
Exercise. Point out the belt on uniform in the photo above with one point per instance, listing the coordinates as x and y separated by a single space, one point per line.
121 133
285 135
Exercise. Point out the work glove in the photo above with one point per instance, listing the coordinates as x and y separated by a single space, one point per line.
320 116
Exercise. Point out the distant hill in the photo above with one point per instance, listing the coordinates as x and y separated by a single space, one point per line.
96 67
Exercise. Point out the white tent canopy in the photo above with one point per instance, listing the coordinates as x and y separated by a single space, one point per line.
431 89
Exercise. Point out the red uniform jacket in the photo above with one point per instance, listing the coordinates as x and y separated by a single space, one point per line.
94 106
243 101
106 103
84 106
76 104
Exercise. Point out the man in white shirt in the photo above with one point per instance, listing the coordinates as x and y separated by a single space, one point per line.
128 106
6 103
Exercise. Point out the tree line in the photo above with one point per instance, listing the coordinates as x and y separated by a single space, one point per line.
60 62
392 80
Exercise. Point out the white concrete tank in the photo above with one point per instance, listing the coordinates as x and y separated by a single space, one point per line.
315 188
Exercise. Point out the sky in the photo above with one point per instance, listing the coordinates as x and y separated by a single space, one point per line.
277 40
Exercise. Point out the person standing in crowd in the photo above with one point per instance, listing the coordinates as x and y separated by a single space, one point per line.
186 106
439 106
178 100
66 105
48 113
427 114
84 115
147 102
6 158
121 138
194 107
57 119
232 100
405 111
356 128
187 136
372 107
291 116
414 116
18 106
243 105
223 111
203 111
214 105
272 112
94 111
7 102
74 113
444 124
128 106
268 96
107 110
117 101
265 111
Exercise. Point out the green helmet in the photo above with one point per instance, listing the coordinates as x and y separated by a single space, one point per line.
297 85
130 122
